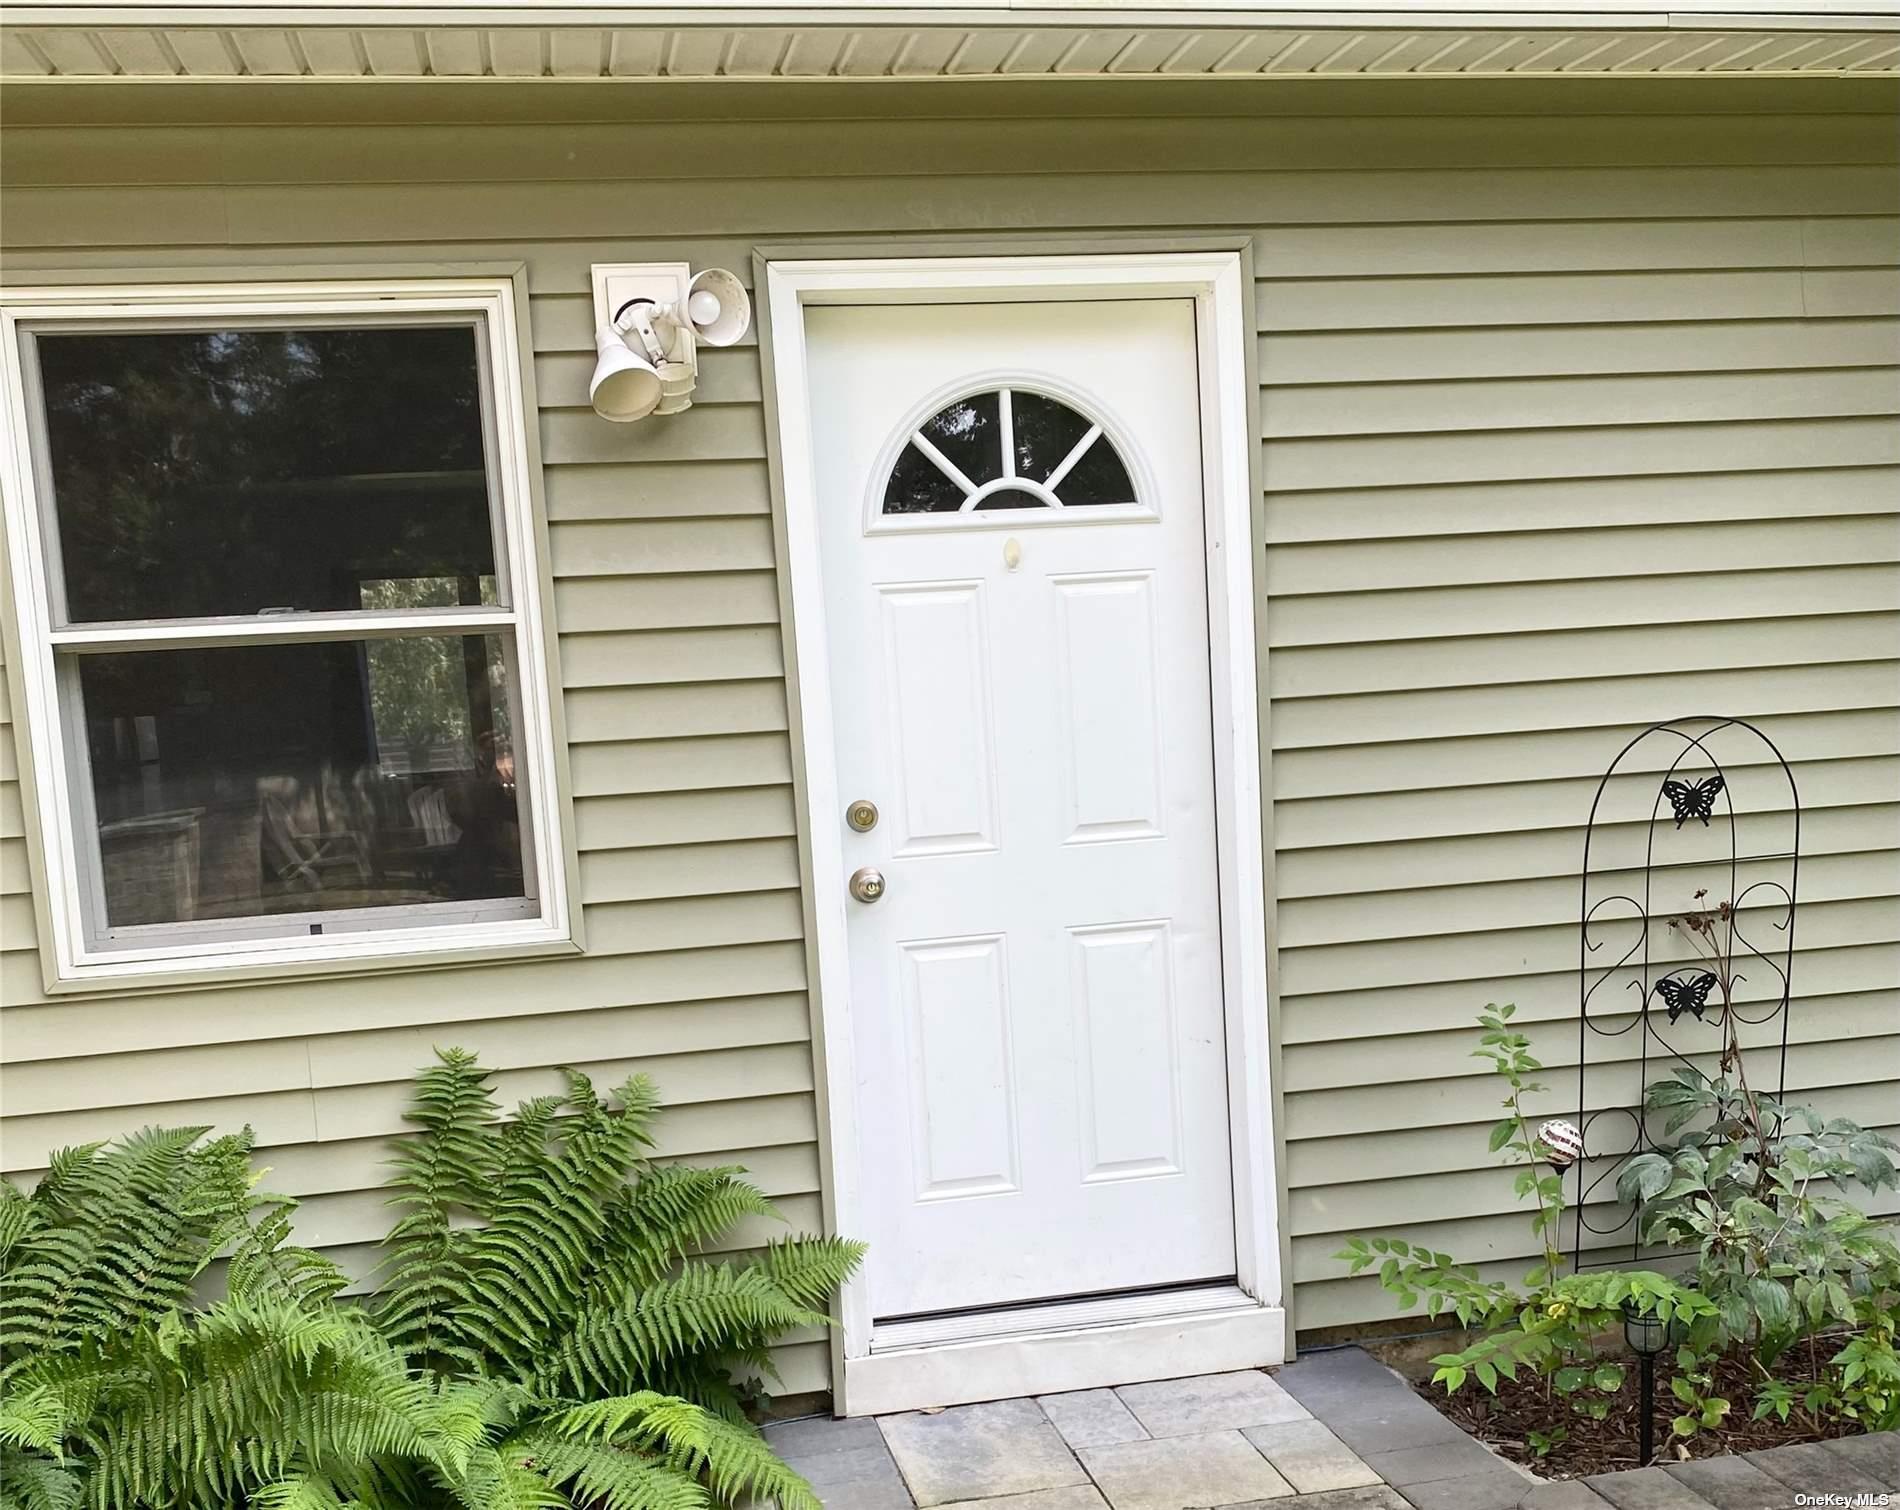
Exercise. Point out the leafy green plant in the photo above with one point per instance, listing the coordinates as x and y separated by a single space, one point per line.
1552 1324
118 1389
1752 1187
547 1258
1693 1385
549 1339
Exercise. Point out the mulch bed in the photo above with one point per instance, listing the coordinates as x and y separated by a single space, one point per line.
1505 1420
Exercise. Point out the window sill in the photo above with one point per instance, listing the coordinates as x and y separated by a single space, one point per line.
239 966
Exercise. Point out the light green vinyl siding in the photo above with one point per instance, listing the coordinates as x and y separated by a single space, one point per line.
1571 422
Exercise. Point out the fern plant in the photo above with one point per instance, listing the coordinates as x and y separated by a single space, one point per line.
549 1259
117 1390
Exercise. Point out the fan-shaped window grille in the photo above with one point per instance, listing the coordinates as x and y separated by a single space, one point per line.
1007 448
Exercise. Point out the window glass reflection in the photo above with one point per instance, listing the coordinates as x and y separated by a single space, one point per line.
295 778
209 473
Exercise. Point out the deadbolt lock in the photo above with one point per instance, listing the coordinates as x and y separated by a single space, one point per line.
862 815
867 885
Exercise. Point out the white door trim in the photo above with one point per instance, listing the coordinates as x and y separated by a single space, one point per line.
1255 1333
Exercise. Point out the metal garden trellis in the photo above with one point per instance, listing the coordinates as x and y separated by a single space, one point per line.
1638 873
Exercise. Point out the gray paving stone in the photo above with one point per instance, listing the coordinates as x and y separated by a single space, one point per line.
1812 1469
885 1494
1877 1453
1406 1466
1076 1497
1646 1489
1091 1417
1387 1422
1563 1494
980 1452
813 1435
1183 1472
1309 1457
1346 1376
1731 1483
1492 1490
1210 1402
1374 1497
831 1470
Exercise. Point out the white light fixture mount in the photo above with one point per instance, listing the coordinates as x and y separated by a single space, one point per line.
649 321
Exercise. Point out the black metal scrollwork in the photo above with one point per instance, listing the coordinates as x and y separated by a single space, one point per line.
1668 841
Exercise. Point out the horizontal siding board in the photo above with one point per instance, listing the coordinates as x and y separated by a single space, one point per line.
1575 349
1296 304
624 822
1432 1102
680 765
1552 403
1751 545
40 1029
1549 994
660 657
1662 597
689 870
1484 660
1553 850
680 601
1339 1162
673 712
1364 963
1613 451
1850 1028
261 215
691 489
1586 503
614 548
1332 721
303 154
1421 912
1484 760
209 1071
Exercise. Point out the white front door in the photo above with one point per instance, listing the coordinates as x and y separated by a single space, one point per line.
1014 566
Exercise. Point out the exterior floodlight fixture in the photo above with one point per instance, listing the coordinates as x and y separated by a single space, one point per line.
648 354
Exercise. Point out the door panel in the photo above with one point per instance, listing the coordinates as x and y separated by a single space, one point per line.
1012 549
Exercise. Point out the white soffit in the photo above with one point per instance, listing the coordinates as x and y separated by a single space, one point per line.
396 39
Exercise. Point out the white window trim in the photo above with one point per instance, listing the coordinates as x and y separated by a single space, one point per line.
57 805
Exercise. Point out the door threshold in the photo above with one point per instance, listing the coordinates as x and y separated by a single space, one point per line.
1057 1315
1050 1349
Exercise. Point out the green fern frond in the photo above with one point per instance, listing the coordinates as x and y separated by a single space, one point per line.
603 1476
620 1342
810 1269
30 1482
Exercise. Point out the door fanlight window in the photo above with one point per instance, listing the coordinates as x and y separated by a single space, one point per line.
1007 448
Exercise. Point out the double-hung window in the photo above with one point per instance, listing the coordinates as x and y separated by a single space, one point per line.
281 663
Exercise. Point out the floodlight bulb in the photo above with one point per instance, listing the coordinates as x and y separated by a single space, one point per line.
703 307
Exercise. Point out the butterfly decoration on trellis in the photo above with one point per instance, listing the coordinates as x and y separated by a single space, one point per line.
1694 799
1690 995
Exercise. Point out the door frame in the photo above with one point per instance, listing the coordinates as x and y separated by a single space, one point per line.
1161 1342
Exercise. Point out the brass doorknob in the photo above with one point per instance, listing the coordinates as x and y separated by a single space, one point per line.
867 885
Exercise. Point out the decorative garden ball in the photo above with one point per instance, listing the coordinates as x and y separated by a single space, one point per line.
1563 1144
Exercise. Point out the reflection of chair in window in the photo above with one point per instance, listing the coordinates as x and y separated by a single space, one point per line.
305 836
429 811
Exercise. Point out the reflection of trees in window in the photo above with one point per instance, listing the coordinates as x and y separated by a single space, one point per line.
201 473
1008 448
